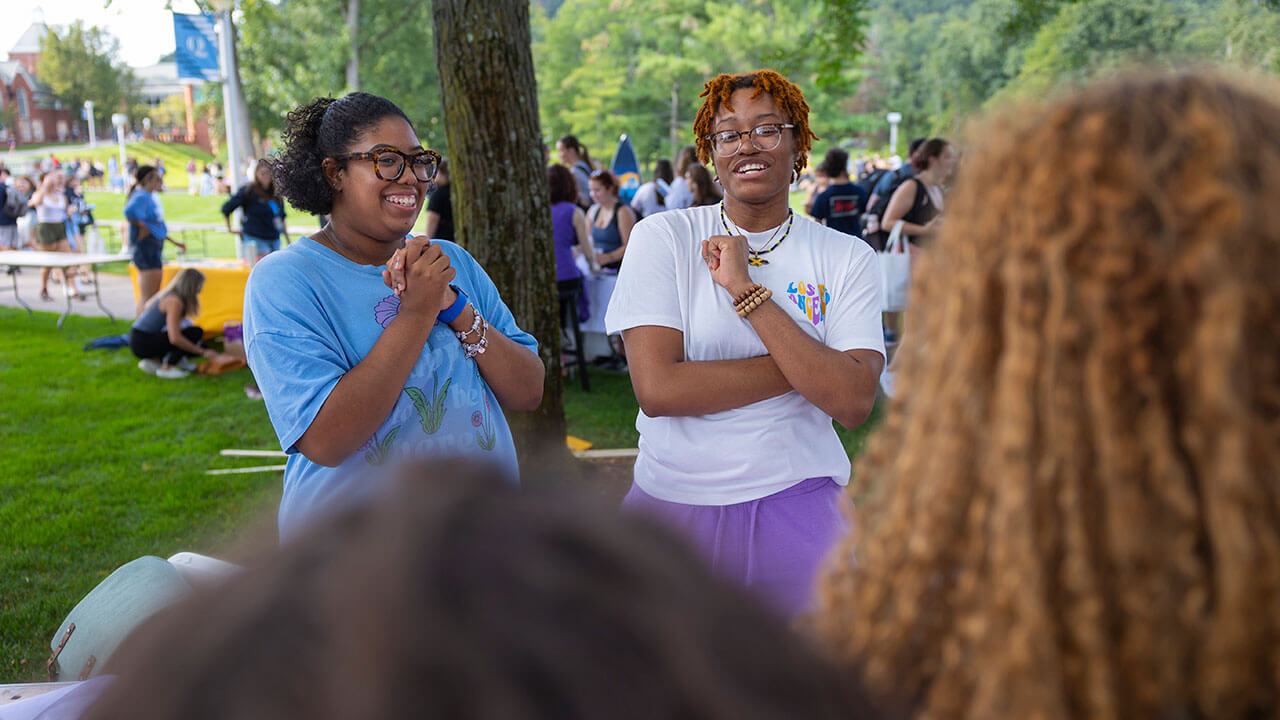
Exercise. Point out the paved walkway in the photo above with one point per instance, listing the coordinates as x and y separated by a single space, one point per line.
117 294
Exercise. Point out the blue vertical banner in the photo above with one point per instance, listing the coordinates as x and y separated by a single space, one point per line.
196 50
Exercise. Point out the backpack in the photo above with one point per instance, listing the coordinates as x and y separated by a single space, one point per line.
869 182
15 203
882 202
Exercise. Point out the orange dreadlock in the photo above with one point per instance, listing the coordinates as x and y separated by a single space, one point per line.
784 92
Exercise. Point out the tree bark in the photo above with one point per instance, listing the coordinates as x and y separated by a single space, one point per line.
501 206
353 35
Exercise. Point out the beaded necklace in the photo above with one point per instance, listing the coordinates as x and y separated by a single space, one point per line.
754 258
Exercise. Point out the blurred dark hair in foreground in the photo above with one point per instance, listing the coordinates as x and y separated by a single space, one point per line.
453 594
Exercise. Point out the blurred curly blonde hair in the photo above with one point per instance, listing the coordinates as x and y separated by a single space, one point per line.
1079 505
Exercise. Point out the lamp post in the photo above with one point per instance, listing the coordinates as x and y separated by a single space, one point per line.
894 118
230 96
119 120
227 57
88 111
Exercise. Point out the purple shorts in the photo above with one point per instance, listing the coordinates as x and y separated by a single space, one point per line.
772 546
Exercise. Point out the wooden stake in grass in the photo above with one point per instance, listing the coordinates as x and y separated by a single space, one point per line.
246 470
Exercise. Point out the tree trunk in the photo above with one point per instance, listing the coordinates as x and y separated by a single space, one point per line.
501 207
353 35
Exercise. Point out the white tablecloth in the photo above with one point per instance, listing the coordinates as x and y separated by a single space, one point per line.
599 288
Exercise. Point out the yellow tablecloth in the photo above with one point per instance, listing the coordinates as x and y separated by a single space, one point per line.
222 298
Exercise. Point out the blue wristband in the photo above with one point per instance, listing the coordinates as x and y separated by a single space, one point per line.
452 312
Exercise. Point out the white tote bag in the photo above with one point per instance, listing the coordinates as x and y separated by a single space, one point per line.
895 271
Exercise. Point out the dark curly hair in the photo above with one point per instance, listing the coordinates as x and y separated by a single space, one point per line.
563 187
784 92
835 164
323 128
454 594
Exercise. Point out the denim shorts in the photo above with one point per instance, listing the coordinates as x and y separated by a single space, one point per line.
263 246
146 254
9 237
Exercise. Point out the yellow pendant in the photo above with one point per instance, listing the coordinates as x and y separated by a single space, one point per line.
756 261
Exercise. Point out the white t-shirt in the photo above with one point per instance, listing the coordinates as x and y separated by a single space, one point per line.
828 282
645 200
159 205
679 196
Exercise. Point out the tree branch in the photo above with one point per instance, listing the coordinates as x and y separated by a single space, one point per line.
408 10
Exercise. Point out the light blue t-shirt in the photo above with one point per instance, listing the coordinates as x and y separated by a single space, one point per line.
142 207
310 315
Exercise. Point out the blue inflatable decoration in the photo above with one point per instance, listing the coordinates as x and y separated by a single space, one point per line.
626 168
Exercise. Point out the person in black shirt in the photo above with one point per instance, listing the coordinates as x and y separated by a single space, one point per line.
439 207
262 223
841 205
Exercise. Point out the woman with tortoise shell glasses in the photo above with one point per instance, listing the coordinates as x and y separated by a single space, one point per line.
369 347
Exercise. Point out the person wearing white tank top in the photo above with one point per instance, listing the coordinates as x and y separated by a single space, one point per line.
50 204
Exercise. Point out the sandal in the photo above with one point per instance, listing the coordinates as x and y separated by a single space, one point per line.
44 294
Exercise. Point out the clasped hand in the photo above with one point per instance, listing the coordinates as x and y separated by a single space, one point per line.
726 258
419 274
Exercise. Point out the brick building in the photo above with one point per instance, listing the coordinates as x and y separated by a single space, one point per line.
28 111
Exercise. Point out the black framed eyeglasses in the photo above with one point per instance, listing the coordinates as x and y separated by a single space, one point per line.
764 137
389 163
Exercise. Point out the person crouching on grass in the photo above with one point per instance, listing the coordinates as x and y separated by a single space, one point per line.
158 336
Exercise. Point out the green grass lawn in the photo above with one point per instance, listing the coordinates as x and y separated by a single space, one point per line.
175 156
179 207
102 464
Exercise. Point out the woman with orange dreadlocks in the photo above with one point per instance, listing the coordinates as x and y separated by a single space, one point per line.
1079 506
747 330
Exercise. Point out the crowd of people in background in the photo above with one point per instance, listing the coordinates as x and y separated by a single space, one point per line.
46 212
853 195
1071 509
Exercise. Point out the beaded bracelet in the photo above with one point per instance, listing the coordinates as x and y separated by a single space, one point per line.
475 324
478 347
746 298
746 294
753 301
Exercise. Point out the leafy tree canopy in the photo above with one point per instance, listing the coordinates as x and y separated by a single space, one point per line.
939 63
292 52
608 67
79 64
